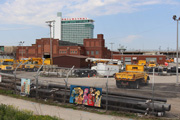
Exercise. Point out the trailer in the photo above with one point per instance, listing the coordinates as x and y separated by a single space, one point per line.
107 69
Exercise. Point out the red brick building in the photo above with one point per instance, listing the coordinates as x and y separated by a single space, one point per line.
92 48
133 59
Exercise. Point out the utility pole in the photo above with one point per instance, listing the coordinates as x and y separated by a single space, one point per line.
21 43
177 76
121 50
111 50
50 25
159 49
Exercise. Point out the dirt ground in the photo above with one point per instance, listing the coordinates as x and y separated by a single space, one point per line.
164 87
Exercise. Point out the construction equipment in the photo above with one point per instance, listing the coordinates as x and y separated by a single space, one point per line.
47 61
22 61
170 60
6 65
142 62
152 64
33 64
132 77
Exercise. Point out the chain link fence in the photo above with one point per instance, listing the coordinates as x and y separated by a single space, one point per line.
54 82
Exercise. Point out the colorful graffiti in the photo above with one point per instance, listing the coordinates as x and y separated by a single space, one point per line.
85 95
25 86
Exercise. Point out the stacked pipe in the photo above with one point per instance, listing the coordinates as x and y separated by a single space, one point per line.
119 101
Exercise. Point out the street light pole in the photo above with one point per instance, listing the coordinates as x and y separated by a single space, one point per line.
21 42
50 25
177 76
111 50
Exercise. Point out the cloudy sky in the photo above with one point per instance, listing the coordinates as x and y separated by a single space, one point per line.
135 24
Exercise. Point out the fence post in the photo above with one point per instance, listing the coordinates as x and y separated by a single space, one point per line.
15 88
36 77
153 92
107 90
66 82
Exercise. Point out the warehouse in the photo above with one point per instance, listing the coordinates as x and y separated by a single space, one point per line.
133 59
71 60
92 47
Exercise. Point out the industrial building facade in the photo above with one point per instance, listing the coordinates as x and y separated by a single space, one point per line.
94 47
74 30
133 59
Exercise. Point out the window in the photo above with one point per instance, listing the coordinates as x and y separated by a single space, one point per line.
135 68
87 52
97 52
92 52
160 58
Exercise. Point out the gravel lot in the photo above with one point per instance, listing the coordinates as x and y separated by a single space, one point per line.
164 87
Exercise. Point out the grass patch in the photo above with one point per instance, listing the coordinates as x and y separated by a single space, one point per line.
8 112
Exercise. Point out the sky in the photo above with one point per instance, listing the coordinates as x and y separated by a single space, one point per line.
134 24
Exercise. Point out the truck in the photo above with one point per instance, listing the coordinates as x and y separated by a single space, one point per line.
152 64
133 77
142 62
22 61
104 69
33 64
6 65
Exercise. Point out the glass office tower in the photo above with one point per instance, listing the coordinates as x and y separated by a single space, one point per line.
76 29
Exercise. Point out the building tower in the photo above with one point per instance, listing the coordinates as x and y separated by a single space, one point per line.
73 30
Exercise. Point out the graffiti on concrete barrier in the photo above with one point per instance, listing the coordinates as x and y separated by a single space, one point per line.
25 86
89 96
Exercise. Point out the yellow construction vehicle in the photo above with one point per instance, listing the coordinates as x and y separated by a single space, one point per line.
152 64
6 65
132 77
33 64
47 61
142 62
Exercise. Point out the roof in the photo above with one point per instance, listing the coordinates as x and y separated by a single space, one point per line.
135 55
75 56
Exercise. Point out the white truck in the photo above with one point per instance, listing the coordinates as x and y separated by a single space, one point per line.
107 69
175 60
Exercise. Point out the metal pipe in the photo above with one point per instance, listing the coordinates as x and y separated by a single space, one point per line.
134 96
